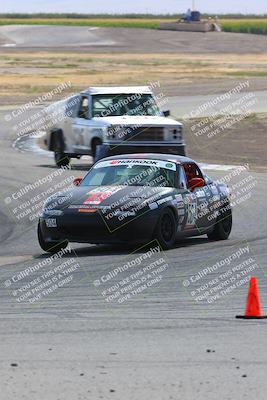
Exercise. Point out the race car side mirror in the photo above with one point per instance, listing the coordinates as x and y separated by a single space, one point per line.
196 183
77 181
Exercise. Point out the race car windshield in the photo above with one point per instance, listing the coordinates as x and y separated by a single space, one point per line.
108 105
130 175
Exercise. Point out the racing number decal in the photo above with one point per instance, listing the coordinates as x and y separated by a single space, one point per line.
191 211
191 214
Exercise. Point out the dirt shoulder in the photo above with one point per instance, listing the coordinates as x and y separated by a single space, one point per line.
244 142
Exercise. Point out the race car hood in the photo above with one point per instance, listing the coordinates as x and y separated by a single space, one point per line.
113 197
143 120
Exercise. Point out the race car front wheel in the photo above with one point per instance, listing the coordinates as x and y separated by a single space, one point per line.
166 229
48 246
223 226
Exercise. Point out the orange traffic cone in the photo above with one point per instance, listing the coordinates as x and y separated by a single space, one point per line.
253 308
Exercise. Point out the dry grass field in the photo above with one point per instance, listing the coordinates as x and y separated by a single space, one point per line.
30 74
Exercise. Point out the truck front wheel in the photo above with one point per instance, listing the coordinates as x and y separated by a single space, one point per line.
61 159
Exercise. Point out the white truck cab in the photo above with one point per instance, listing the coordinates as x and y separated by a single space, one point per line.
103 121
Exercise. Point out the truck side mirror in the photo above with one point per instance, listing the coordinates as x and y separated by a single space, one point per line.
166 113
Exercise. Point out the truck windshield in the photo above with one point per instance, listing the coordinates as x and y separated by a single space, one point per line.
108 105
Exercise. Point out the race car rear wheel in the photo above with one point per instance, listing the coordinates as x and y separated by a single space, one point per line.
48 246
222 227
166 229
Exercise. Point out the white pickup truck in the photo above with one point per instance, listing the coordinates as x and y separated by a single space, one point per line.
103 121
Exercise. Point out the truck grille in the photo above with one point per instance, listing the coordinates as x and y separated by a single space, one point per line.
143 134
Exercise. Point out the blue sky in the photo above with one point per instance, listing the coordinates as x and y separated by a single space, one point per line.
124 6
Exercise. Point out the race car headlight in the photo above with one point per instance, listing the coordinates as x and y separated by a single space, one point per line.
52 213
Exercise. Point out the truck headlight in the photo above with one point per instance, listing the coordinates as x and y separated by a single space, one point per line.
176 133
119 132
113 133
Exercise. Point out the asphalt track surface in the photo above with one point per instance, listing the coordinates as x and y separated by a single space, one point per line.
125 40
160 344
53 36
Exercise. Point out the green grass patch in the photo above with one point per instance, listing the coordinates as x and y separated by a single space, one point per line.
101 22
255 26
242 25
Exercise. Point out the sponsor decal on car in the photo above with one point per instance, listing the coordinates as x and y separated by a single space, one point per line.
200 193
164 200
98 195
169 165
180 204
129 162
178 197
216 198
153 206
224 190
214 190
178 201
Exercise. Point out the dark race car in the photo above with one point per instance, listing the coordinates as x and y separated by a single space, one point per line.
134 199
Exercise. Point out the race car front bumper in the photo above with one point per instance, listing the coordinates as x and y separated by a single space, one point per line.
93 228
